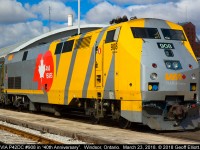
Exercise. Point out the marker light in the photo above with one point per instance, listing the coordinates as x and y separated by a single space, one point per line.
190 66
153 86
154 65
150 87
193 87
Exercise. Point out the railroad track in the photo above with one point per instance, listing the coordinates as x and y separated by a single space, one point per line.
10 138
11 135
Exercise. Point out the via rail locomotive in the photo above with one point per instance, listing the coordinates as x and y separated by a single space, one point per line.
137 70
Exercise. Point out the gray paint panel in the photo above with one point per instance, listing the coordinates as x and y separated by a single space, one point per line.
25 69
32 53
16 69
40 98
57 62
109 86
132 116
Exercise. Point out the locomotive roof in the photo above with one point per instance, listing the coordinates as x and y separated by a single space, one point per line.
48 37
57 34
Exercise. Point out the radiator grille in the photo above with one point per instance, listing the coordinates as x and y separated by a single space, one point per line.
14 82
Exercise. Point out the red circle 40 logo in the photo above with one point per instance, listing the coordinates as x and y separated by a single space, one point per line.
44 71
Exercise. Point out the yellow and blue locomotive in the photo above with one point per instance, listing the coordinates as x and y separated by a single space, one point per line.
141 70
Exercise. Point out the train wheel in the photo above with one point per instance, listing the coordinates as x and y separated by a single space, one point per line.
124 123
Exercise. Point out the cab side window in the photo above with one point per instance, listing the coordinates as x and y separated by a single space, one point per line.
112 35
59 48
68 45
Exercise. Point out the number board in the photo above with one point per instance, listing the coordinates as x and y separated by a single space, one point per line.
165 45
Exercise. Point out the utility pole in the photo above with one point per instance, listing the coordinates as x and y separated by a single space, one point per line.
49 18
79 16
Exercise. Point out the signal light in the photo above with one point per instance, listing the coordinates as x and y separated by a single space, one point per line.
153 86
193 87
150 87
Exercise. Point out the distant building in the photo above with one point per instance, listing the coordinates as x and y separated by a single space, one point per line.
190 31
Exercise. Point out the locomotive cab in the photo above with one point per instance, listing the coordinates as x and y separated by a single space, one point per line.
169 75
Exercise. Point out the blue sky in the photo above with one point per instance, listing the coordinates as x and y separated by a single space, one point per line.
25 19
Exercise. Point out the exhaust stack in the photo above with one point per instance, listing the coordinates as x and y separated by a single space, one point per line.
70 20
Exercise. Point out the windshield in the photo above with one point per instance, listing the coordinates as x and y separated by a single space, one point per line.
171 34
151 33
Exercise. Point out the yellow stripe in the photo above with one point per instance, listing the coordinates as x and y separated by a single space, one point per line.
80 69
10 57
130 51
131 105
23 91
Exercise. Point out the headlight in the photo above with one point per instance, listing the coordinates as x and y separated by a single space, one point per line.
153 76
175 65
168 65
